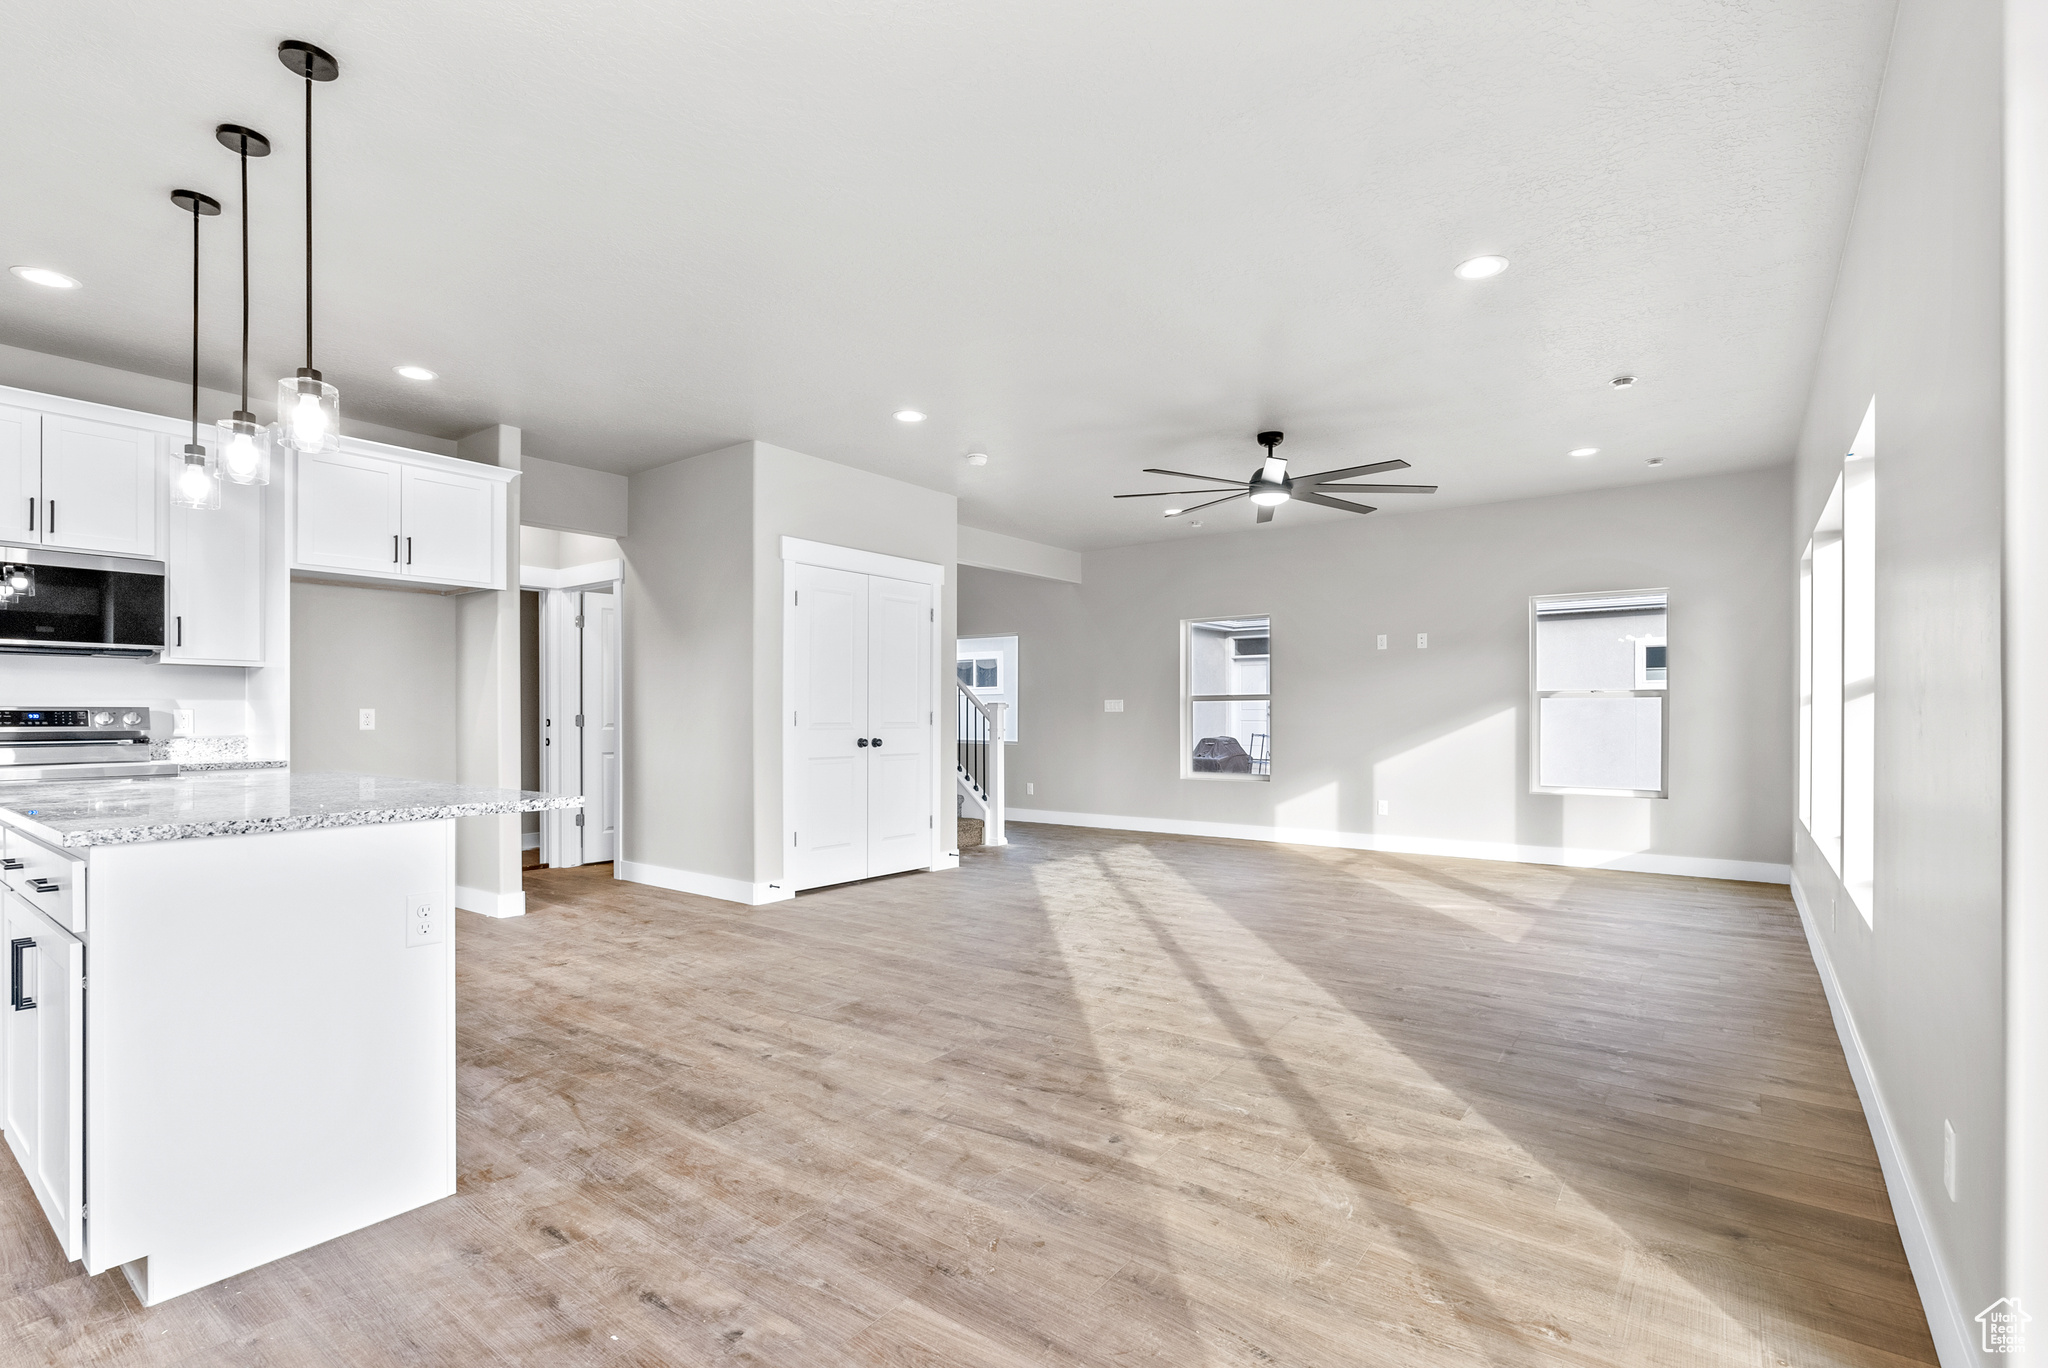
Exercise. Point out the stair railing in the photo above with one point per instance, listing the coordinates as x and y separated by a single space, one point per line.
980 757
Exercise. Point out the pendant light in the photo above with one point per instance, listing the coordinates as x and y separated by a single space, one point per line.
308 408
245 443
195 476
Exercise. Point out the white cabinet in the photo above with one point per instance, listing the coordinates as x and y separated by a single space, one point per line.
21 476
42 1034
213 581
99 486
77 483
405 516
450 521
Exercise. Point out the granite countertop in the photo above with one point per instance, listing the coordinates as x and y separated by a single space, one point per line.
245 802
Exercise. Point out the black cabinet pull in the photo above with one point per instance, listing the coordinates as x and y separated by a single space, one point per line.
862 742
180 620
41 886
394 548
14 995
50 523
408 550
10 864
31 512
876 743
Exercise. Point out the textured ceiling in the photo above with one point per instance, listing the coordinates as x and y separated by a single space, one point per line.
1085 238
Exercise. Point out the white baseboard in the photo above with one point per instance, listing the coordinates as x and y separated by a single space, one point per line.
1637 862
529 840
490 904
704 885
1955 1342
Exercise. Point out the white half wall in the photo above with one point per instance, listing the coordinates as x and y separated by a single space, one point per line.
1438 734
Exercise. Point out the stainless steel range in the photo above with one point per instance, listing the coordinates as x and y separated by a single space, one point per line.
76 743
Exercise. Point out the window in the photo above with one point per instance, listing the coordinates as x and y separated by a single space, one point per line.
988 665
1228 715
1838 674
1600 667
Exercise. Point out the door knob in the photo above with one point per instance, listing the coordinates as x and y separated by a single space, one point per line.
862 742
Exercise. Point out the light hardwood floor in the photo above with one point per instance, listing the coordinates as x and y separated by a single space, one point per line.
1102 1099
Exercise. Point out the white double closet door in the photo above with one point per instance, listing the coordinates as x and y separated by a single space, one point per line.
863 722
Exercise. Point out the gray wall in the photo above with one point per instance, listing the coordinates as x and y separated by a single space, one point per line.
1440 734
688 613
1917 323
573 499
373 648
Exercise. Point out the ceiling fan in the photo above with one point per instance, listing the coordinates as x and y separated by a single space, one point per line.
1270 485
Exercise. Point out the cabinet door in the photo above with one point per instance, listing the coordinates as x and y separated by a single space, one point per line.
99 486
347 513
21 477
43 1029
450 527
213 581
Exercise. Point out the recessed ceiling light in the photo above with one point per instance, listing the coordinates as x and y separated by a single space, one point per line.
1621 381
37 275
1481 268
1655 461
909 416
977 458
1196 523
415 372
1585 451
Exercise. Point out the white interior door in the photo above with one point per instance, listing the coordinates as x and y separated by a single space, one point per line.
900 816
21 477
828 727
44 1030
99 486
600 713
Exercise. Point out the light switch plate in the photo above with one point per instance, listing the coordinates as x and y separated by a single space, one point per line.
366 719
424 917
1112 705
1383 807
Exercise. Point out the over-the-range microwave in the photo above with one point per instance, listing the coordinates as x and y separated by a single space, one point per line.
76 604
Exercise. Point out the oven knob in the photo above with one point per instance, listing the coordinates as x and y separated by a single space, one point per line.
131 719
103 719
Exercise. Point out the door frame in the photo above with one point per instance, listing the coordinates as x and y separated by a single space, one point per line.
798 551
561 678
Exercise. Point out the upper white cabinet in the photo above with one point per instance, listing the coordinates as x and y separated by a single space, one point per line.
401 516
213 581
77 483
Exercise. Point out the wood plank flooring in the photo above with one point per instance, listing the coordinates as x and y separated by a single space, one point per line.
1106 1099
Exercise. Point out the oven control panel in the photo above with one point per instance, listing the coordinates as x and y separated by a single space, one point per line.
121 719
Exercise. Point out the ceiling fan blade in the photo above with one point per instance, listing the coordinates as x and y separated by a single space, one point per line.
1375 489
1265 513
1322 502
1213 502
1346 473
1161 493
1184 475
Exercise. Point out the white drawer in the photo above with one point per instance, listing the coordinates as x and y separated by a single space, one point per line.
48 880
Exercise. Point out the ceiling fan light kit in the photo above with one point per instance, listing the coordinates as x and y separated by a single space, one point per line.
1270 485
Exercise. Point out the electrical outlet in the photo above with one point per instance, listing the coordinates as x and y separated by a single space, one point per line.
366 719
422 919
1422 641
1383 807
1112 705
181 721
1383 641
1031 790
1948 1159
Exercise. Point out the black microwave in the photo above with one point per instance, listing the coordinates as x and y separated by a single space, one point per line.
60 603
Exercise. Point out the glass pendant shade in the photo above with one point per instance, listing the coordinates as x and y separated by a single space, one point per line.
309 412
244 450
195 478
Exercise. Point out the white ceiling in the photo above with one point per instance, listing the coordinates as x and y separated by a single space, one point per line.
1083 237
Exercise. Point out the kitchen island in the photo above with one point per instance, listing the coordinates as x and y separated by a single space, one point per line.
231 1024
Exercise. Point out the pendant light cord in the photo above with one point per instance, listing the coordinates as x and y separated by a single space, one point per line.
309 215
245 278
195 323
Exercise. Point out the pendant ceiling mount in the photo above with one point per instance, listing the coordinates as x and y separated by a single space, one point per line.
303 59
246 142
192 202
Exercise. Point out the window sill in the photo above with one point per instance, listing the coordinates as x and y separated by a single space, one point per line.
1230 778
